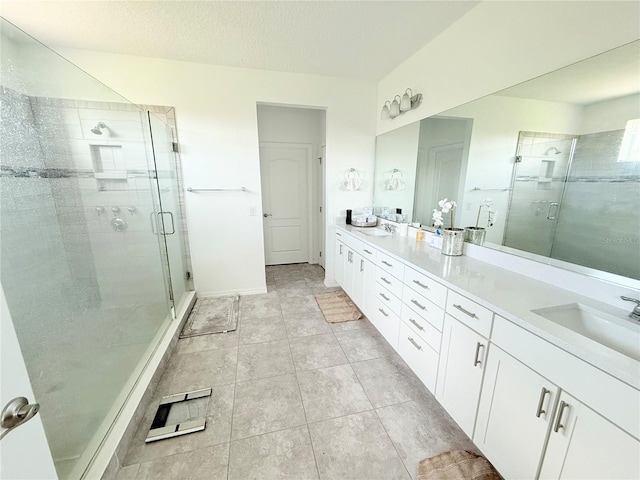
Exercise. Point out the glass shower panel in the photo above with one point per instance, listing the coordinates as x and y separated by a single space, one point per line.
79 264
539 176
168 217
599 225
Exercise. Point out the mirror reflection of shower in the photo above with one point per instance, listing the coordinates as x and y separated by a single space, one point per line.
98 128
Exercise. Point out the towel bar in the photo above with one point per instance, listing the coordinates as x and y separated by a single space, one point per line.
241 189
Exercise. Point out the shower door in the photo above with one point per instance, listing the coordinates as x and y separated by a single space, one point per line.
542 163
168 220
81 264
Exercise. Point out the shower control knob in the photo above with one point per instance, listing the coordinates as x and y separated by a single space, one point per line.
115 210
265 215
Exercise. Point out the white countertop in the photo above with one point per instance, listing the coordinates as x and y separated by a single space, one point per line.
512 296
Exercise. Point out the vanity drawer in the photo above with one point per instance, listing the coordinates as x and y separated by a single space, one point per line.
422 359
368 252
389 282
427 332
350 241
424 285
394 267
423 308
470 313
387 323
389 300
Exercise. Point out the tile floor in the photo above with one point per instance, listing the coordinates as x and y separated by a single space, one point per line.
296 397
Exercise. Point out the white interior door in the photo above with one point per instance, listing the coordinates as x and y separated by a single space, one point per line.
286 187
24 451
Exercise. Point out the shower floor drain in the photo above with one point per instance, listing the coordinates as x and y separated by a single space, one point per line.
180 414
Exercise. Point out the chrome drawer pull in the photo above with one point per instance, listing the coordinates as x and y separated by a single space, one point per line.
414 343
420 327
340 249
476 360
339 234
543 394
361 265
459 307
561 408
384 296
383 312
385 280
387 263
422 307
367 251
420 284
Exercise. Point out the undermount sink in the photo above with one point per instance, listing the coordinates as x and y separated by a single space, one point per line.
620 334
374 232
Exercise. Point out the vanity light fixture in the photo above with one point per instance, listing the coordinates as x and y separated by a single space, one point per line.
399 105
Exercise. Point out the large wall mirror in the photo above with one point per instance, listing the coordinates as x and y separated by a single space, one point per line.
559 157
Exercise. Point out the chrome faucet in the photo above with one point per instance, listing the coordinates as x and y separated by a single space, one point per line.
390 228
635 313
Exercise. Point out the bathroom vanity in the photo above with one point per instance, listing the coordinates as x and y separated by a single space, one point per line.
545 381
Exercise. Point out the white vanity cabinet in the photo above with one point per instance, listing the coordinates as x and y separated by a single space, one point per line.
527 422
423 300
583 445
387 292
339 258
514 416
462 358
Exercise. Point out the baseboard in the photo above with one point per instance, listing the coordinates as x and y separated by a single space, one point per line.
331 283
248 291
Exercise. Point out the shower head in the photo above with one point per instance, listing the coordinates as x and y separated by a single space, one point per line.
552 151
98 128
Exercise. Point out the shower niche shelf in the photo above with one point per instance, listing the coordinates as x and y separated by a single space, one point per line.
109 166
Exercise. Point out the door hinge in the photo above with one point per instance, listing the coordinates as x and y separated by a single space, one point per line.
320 158
188 275
320 209
174 145
320 253
518 158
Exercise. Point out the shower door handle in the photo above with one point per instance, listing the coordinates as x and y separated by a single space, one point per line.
156 221
173 226
555 207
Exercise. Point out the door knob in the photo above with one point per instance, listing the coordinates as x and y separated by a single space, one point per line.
265 215
15 413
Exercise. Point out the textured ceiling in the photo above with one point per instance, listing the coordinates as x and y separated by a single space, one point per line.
363 39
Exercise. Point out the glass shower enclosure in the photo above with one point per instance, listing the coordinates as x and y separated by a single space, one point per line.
93 256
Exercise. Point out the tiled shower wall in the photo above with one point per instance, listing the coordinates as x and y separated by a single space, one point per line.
599 223
87 300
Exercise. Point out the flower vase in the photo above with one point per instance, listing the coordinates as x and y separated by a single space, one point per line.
475 235
452 241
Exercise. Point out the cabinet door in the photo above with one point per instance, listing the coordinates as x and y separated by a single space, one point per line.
583 445
339 261
515 412
369 293
358 280
460 372
348 271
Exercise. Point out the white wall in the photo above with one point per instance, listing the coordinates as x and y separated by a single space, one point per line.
217 124
499 44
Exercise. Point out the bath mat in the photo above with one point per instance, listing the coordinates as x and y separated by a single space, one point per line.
456 465
337 307
212 315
